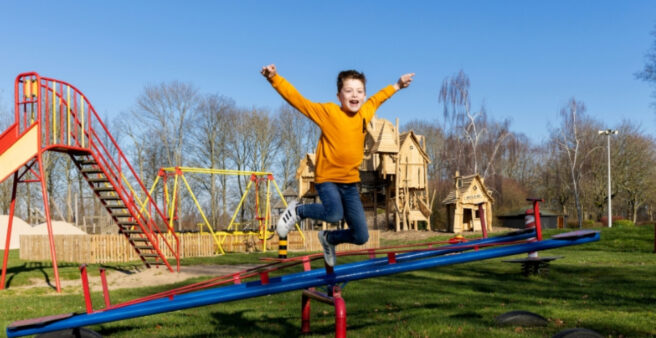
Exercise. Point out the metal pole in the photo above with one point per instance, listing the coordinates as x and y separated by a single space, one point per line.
608 133
610 208
481 216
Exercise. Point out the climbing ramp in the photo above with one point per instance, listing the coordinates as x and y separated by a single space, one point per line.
52 115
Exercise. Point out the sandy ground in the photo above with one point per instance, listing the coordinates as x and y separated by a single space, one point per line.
157 276
142 277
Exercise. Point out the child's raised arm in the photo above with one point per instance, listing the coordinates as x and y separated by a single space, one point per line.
403 81
269 71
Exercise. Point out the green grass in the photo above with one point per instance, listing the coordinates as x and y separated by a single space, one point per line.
608 286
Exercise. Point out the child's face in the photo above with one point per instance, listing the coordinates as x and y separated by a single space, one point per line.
352 95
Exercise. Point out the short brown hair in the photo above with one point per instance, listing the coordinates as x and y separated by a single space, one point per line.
350 74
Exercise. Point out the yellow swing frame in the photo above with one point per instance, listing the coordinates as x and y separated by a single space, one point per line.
219 237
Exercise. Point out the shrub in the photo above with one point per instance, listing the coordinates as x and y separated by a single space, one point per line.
588 223
572 224
604 220
623 223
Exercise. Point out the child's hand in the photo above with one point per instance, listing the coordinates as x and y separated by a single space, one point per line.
404 81
269 71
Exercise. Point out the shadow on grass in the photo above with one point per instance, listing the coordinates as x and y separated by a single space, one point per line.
46 271
29 267
127 269
570 292
235 324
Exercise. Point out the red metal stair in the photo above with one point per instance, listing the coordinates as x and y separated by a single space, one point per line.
52 115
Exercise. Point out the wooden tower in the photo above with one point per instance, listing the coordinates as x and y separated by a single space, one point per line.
393 176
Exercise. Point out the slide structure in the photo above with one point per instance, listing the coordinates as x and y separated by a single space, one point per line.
52 115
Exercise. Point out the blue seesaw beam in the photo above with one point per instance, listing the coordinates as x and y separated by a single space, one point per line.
296 281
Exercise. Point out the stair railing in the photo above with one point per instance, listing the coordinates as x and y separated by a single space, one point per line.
69 123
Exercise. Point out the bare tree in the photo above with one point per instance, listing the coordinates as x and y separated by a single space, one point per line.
253 146
298 135
212 133
648 73
573 140
454 93
470 136
161 128
634 160
554 183
165 112
519 160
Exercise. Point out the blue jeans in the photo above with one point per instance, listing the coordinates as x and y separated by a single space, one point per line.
339 201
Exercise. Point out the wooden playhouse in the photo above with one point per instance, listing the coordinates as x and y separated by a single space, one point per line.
465 202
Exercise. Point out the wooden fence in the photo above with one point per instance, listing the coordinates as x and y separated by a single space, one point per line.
92 249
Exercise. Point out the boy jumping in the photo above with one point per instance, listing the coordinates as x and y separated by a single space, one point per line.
338 155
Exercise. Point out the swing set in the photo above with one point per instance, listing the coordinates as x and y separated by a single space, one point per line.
260 182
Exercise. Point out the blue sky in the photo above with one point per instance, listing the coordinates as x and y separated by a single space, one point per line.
525 59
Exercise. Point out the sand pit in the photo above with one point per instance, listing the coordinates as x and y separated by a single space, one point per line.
142 277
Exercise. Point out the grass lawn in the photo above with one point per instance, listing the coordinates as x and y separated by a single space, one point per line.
607 286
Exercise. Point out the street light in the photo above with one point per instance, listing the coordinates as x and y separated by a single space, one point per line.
608 133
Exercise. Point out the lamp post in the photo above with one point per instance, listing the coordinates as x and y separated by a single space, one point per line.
608 133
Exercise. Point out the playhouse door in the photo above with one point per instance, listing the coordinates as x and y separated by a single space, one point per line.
467 224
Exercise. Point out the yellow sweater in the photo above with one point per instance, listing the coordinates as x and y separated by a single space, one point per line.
341 145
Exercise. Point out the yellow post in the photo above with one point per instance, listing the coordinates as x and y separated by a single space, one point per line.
150 193
35 88
243 197
266 216
32 91
175 190
136 197
207 223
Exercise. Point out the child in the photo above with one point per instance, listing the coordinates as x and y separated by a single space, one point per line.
338 155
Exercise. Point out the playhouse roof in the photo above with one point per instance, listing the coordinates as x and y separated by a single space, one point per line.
467 183
308 161
384 135
410 136
289 192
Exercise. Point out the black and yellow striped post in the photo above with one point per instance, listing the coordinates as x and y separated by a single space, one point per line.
282 247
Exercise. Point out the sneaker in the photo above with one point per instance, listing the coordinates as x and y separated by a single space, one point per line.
287 219
328 249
